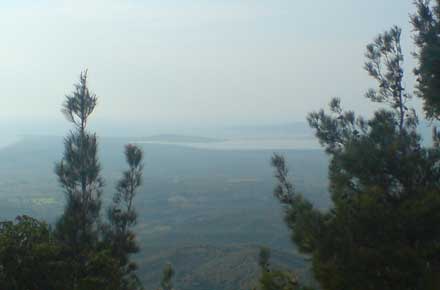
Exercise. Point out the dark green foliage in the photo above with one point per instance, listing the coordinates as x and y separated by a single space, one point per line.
426 23
167 277
382 231
32 258
79 175
100 272
300 213
97 256
29 256
122 217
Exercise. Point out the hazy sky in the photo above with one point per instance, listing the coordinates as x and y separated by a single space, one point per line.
166 63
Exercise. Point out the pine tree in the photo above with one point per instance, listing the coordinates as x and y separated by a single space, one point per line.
122 217
382 230
426 23
79 175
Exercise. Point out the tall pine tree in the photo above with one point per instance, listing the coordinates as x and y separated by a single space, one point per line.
79 175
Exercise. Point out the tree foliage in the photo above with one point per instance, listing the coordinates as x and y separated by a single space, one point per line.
29 256
384 64
79 175
381 232
426 23
122 217
82 253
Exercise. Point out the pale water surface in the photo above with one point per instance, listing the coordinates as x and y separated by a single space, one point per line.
249 144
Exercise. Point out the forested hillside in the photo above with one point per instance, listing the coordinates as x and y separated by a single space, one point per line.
191 199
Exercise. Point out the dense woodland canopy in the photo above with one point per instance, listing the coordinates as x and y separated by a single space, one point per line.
380 233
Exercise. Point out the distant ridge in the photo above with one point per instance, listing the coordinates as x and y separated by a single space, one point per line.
171 138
